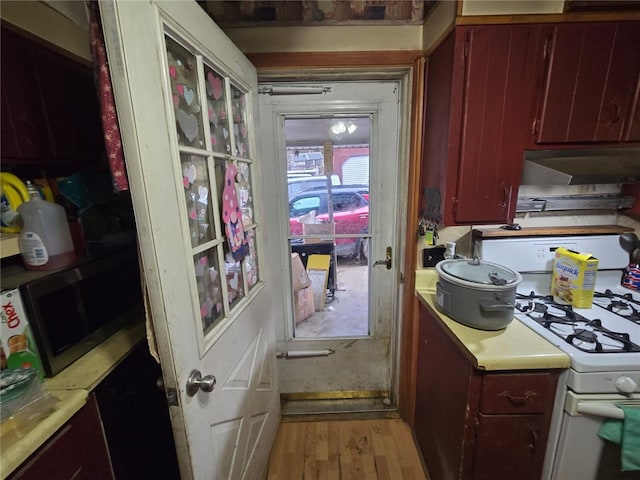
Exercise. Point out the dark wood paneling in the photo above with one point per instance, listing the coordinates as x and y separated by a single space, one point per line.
590 83
479 100
497 90
444 378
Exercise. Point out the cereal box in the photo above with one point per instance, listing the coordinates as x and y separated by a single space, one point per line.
574 278
17 346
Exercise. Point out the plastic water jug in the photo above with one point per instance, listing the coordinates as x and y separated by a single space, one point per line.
45 241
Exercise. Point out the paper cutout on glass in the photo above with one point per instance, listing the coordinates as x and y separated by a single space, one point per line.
232 215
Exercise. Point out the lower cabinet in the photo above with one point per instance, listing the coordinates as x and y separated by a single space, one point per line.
77 451
473 424
136 419
123 431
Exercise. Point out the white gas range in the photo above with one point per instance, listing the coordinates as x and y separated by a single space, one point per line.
603 343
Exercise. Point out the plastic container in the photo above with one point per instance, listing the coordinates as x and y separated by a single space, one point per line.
45 241
450 252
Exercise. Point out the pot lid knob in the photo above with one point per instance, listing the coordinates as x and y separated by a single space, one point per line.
496 279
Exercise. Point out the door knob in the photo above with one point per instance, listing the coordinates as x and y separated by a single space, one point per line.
197 382
386 261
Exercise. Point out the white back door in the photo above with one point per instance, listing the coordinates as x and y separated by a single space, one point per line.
360 364
186 101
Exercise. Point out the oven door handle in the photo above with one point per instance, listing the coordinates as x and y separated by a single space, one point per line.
607 410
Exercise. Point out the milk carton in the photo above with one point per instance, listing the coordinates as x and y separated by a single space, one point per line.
17 346
574 278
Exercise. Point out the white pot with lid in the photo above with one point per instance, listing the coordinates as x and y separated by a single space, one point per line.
477 294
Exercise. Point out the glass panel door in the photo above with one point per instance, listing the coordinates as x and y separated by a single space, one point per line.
215 163
329 202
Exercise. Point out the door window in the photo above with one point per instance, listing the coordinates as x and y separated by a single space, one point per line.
215 165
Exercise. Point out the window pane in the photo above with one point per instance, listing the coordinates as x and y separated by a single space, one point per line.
234 276
251 261
217 111
197 195
240 126
183 76
328 187
245 196
209 292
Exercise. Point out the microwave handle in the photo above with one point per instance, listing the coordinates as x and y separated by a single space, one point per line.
607 410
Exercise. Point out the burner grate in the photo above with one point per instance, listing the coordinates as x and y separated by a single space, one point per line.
588 335
622 304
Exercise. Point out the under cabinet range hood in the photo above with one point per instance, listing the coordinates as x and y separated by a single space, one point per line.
581 167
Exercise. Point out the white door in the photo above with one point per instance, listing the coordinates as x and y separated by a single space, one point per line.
186 101
360 365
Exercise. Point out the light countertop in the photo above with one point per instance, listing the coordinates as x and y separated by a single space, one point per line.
515 347
68 393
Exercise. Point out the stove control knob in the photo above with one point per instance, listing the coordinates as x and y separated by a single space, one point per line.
626 385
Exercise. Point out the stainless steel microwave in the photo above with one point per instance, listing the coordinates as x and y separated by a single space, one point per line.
72 310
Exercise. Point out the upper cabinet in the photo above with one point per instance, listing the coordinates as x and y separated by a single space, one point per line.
50 112
477 123
591 83
23 122
494 91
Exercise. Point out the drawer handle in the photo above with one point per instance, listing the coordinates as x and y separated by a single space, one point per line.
534 440
519 401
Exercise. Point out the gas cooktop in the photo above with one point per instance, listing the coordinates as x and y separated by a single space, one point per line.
592 333
603 338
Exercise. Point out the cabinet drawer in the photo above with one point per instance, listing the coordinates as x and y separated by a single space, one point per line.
517 393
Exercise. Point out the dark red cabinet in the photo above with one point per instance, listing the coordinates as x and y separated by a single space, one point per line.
77 451
68 95
24 127
478 94
473 424
50 111
591 81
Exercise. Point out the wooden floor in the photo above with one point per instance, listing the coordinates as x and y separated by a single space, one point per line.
345 450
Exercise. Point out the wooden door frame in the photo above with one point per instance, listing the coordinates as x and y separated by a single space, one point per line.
293 64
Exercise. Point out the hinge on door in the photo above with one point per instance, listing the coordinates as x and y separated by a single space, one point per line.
546 51
465 51
172 397
534 126
401 278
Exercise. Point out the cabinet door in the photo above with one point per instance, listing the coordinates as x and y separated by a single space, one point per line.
633 131
592 72
442 407
70 100
494 122
24 133
509 446
77 451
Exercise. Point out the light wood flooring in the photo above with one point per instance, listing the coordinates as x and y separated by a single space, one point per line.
345 450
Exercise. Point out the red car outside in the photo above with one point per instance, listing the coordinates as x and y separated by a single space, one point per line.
350 214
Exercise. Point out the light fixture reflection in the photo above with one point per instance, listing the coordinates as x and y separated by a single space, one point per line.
341 127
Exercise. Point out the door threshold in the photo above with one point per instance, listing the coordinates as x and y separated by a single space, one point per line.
347 408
